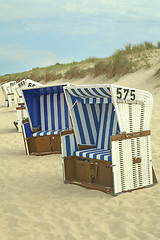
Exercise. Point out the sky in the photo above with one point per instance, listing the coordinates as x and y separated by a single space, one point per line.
39 33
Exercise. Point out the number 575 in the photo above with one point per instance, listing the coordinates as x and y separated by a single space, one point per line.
123 93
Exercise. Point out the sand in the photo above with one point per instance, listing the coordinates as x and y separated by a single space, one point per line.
35 204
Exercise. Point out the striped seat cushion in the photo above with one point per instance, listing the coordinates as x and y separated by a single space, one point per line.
48 132
95 153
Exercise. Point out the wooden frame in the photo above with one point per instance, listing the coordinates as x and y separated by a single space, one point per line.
43 145
89 173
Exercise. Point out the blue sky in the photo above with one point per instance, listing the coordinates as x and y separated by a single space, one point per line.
39 33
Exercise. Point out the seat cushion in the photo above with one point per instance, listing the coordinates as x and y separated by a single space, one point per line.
96 153
47 132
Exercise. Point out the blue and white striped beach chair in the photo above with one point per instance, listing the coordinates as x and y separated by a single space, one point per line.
48 117
110 147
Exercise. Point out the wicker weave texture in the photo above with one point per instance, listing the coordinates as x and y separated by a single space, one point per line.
127 174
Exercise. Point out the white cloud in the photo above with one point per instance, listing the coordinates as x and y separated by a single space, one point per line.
29 57
39 9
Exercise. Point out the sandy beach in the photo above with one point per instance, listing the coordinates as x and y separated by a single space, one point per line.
35 204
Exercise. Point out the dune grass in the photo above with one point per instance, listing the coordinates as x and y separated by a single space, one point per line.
123 61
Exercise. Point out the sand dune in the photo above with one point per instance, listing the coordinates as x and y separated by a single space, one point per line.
36 205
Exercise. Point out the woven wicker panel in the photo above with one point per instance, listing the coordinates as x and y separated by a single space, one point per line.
127 174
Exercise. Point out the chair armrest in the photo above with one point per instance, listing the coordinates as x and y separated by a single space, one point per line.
20 108
124 136
84 146
21 104
36 129
26 120
67 132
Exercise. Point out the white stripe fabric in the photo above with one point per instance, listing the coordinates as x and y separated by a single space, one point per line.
49 112
54 112
47 132
90 92
96 153
62 110
42 112
96 100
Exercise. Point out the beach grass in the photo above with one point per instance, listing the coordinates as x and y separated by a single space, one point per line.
125 60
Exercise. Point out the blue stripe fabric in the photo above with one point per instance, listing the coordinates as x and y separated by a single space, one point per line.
96 100
54 112
97 92
75 92
66 113
106 92
69 145
111 126
45 112
89 127
59 112
95 153
90 92
82 93
104 125
27 129
96 118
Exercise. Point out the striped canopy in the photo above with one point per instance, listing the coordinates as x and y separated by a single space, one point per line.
89 95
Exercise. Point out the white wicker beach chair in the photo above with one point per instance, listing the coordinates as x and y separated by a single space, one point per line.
48 117
110 149
7 89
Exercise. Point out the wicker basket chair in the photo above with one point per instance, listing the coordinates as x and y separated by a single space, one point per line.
7 89
110 149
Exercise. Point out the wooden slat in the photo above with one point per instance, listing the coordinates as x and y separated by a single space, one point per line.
130 135
67 132
19 104
83 146
20 108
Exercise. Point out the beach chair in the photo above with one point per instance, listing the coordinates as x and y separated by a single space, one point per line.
7 89
48 117
110 149
22 115
17 89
